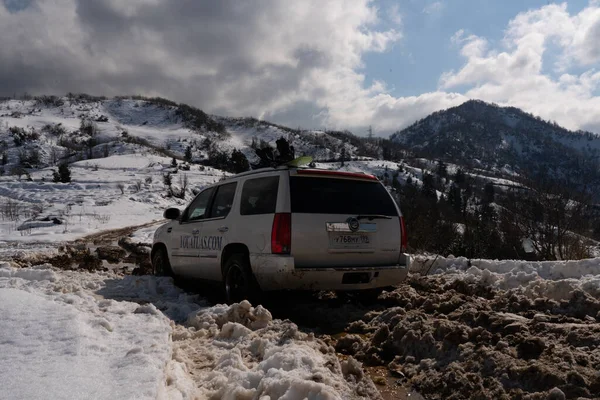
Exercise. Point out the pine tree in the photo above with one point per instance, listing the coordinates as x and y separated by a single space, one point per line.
4 159
343 155
188 153
174 162
239 162
63 175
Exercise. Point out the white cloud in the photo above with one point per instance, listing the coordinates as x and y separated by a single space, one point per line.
433 8
395 15
300 63
514 74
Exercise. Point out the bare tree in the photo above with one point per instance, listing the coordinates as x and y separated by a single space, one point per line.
553 217
121 187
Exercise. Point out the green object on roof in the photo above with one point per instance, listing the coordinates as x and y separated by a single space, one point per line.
297 162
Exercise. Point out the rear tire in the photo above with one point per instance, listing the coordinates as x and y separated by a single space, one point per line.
160 263
239 282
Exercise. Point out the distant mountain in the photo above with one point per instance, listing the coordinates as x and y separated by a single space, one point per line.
504 139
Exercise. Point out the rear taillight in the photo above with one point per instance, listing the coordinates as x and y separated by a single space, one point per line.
281 234
404 238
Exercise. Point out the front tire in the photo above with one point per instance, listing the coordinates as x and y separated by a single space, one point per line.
160 263
239 282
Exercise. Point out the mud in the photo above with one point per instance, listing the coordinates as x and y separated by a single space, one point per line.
454 340
105 250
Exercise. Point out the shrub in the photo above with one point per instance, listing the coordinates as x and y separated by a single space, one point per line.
63 175
194 118
21 136
48 101
167 180
88 127
54 129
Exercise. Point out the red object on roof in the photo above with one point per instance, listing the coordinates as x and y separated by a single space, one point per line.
341 174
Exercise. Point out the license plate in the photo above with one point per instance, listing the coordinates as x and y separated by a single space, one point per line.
350 241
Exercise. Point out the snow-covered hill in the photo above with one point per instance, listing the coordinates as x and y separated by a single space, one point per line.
484 136
119 151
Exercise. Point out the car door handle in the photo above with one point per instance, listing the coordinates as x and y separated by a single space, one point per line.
195 231
223 229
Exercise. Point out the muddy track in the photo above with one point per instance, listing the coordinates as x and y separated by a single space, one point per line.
112 236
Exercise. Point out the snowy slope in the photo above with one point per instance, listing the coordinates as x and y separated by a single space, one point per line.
117 171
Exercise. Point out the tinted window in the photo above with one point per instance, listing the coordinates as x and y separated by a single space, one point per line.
259 196
198 207
223 200
340 196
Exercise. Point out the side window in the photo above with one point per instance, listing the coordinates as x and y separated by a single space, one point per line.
223 200
197 209
259 196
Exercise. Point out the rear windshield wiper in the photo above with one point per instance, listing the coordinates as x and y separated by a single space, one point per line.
372 217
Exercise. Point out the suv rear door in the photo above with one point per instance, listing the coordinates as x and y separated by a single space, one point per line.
342 220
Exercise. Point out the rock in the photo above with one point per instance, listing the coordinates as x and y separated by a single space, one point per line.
556 394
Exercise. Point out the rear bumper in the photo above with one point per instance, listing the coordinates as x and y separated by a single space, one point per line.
278 273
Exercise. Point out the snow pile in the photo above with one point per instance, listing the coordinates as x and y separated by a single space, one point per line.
552 279
239 352
68 334
60 341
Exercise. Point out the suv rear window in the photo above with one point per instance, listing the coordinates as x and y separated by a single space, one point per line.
340 196
259 196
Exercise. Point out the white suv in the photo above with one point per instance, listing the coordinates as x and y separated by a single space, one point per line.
286 228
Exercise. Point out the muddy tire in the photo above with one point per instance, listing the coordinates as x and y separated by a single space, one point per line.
238 281
160 263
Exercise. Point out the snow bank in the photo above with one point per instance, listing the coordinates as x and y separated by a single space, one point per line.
61 341
553 279
108 336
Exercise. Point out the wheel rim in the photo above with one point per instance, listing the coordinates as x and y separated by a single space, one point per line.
235 284
159 268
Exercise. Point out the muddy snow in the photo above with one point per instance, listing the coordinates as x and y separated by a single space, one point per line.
468 329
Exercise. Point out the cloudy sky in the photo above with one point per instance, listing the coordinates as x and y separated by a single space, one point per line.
338 64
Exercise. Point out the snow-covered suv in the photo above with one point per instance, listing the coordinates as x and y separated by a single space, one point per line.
287 228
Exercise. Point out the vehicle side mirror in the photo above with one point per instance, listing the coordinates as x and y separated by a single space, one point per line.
172 213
